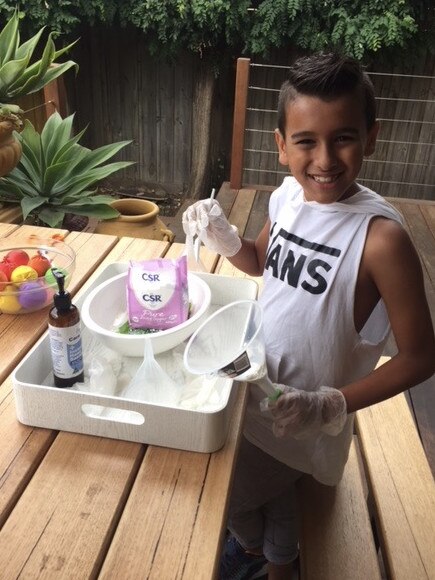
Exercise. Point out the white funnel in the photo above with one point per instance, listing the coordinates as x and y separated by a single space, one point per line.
230 343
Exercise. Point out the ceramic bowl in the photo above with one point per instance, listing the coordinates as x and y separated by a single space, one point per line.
27 283
108 301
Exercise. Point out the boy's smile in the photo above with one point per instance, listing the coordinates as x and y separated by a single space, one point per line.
325 144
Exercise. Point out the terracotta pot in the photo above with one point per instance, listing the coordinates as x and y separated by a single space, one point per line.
138 219
10 148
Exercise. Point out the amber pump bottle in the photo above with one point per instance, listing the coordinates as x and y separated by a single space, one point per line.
65 337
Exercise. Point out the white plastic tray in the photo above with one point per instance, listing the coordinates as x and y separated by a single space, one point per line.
69 410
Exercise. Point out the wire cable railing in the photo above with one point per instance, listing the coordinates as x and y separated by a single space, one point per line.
406 154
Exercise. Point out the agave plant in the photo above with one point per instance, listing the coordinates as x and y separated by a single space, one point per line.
17 76
56 175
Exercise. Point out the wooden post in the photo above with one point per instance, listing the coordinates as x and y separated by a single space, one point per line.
239 120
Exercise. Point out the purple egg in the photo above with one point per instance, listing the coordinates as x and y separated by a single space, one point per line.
32 295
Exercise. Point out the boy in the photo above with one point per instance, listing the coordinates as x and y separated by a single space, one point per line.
338 269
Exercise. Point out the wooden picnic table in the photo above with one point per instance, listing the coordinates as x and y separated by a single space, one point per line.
82 506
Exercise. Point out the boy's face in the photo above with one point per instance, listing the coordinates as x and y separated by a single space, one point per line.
325 144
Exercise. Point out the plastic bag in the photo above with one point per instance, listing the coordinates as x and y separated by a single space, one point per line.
151 384
103 368
157 293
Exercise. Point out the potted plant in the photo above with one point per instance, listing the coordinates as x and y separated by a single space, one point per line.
20 77
56 175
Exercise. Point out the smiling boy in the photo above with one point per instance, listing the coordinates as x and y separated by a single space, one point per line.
339 271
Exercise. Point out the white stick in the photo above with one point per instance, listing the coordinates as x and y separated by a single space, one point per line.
197 243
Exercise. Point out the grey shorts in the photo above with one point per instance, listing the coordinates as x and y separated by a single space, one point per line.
263 507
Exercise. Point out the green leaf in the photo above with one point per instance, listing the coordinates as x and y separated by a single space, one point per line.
9 72
93 176
9 191
52 176
30 136
49 132
47 58
65 150
60 136
20 179
73 158
30 167
94 200
52 217
63 50
102 211
28 204
100 155
40 81
9 39
28 47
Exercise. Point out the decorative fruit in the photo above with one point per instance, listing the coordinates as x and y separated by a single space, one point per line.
17 258
9 302
40 264
32 295
49 277
6 268
3 281
23 274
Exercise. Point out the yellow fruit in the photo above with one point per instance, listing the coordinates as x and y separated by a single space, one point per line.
9 302
23 274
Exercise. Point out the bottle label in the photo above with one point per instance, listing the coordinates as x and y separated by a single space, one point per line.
66 350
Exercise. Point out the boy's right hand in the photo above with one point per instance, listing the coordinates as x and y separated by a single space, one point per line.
206 220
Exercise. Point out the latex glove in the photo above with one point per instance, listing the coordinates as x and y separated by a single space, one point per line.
301 414
206 220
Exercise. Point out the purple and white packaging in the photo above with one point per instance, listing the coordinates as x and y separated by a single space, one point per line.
157 293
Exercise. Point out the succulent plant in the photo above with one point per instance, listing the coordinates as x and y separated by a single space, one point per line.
56 175
17 76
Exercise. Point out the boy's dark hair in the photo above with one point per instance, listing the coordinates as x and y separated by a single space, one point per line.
326 76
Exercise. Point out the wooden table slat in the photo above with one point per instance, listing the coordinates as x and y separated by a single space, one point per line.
77 493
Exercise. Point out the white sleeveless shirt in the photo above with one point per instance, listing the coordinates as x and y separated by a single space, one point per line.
308 297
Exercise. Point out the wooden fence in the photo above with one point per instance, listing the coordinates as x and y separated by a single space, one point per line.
123 93
404 162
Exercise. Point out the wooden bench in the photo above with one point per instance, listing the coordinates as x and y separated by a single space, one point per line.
379 521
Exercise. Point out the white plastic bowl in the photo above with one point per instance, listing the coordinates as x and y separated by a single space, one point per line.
107 301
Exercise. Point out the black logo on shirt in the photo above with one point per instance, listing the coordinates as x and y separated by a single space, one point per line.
297 265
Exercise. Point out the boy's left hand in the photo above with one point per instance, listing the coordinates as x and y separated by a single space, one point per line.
301 414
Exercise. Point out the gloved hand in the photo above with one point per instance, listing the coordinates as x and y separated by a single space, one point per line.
301 414
206 220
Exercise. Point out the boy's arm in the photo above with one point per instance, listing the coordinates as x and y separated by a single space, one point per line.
252 255
393 265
